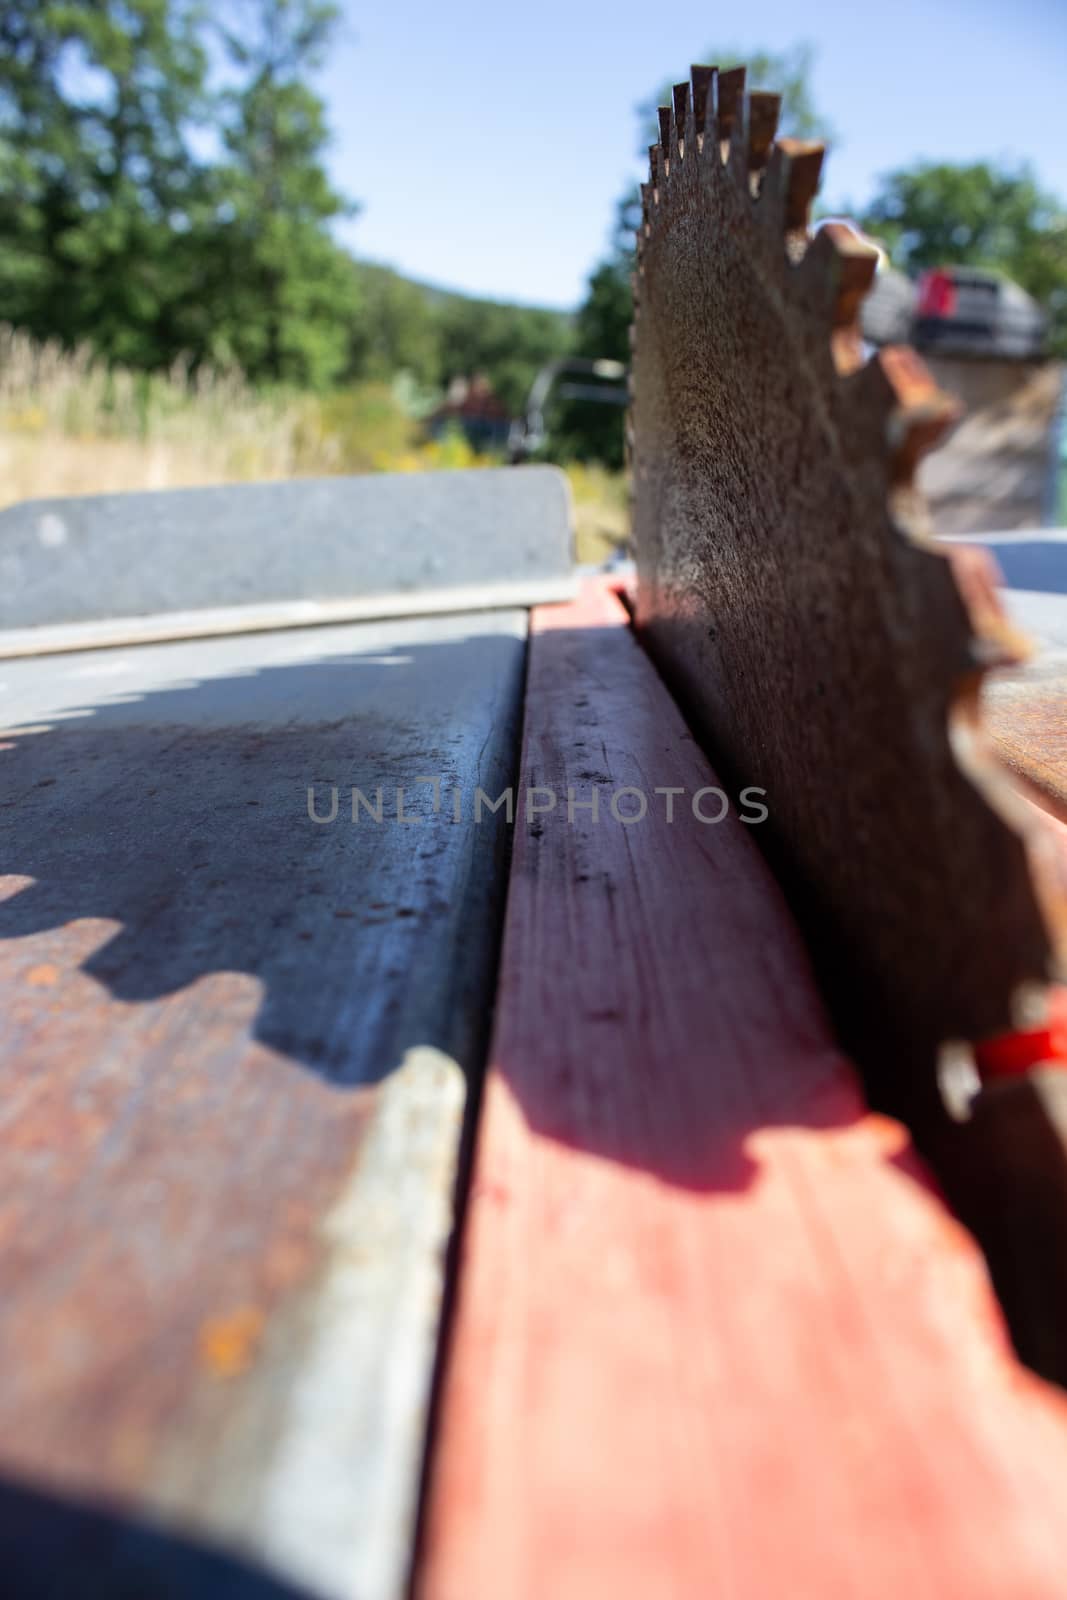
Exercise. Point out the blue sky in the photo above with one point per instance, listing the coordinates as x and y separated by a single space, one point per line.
487 142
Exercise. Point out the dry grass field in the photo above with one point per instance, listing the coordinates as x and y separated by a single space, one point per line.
69 426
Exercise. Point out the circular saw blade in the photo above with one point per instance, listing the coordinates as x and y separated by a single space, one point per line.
825 650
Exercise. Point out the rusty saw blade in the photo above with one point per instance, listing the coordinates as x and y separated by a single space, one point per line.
824 647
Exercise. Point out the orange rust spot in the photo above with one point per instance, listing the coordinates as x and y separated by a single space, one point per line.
43 977
228 1343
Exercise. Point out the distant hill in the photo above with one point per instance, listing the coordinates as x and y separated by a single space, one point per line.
434 334
438 294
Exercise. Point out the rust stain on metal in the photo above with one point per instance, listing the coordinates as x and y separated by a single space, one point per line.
159 1165
44 976
227 1343
195 1051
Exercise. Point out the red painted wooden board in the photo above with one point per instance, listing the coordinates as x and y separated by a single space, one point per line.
715 1333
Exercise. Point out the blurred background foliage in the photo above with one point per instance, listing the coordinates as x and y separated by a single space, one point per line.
173 285
163 195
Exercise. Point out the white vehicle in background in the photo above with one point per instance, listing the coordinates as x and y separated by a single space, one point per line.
971 311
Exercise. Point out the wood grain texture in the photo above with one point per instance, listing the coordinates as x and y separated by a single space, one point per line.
715 1333
232 1053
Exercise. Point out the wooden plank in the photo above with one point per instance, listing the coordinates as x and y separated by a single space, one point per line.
715 1332
232 1054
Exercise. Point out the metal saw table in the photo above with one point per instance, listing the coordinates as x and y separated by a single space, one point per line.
439 1203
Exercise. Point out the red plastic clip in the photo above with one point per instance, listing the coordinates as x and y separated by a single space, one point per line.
1012 1055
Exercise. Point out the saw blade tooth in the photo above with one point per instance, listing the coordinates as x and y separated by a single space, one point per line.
729 89
645 228
789 185
755 122
658 171
679 119
836 272
855 261
764 110
917 413
770 209
806 157
734 150
996 641
702 79
665 137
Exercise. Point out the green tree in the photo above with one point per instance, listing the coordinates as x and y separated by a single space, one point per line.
396 329
595 432
289 291
97 184
977 215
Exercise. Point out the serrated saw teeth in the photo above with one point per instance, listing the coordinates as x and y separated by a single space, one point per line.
789 185
702 79
753 127
656 171
803 170
734 150
665 136
855 263
921 413
841 256
644 227
763 112
729 87
680 94
980 582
